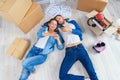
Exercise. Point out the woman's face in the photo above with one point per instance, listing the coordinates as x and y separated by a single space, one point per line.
60 19
52 25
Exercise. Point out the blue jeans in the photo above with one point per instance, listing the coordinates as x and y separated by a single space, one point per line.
72 55
33 58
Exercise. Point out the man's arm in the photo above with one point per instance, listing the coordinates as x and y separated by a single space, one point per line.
77 29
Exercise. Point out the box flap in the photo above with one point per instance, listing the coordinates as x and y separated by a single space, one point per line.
33 16
11 50
33 8
7 5
23 45
92 14
18 54
102 0
89 5
2 2
19 10
16 41
110 30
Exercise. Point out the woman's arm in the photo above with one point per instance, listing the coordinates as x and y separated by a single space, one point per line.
40 32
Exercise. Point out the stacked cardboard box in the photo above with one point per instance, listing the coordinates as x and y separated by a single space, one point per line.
109 31
18 48
15 10
24 13
2 2
89 5
33 16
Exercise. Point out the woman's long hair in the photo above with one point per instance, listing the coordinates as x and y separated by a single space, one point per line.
66 19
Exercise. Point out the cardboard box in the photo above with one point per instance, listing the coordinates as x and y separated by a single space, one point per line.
33 16
18 48
95 30
89 5
109 31
15 10
2 2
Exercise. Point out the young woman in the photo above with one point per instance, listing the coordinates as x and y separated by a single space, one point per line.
72 35
38 55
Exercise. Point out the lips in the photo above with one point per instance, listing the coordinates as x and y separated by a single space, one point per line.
60 22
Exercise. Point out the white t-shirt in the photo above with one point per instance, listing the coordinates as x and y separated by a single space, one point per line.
42 42
69 37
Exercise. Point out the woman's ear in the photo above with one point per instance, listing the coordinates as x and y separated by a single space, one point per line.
48 24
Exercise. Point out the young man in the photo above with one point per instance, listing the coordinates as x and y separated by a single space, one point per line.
72 35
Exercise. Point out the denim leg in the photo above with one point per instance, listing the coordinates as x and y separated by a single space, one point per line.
86 62
30 62
33 51
69 59
24 74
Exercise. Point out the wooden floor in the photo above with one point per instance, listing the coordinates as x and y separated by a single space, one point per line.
106 63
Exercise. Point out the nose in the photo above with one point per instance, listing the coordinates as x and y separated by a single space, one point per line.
59 21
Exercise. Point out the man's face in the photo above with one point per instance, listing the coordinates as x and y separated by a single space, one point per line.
60 19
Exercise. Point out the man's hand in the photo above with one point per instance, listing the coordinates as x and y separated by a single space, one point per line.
46 34
58 39
50 34
56 36
66 29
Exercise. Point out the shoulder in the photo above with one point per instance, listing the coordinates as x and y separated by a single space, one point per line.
72 21
44 28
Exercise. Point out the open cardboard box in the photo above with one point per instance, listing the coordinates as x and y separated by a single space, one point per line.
109 30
